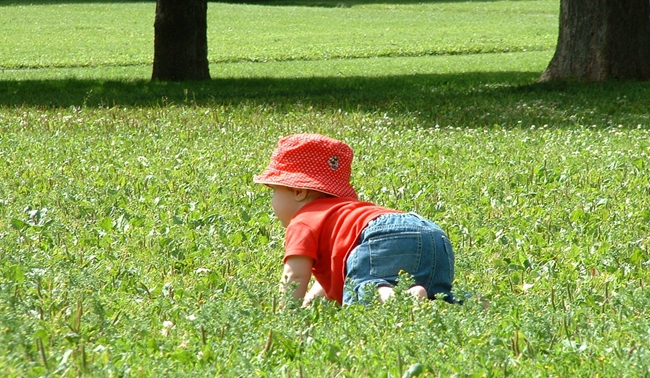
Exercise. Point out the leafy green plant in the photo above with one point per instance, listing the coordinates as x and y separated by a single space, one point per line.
146 249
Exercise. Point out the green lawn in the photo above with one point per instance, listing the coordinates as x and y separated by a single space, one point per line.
117 34
134 243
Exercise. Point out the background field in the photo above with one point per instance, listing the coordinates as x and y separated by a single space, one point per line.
106 34
133 242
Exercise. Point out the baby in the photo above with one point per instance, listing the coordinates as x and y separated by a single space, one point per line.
350 247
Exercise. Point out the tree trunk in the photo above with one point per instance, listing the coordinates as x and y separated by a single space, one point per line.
181 43
602 39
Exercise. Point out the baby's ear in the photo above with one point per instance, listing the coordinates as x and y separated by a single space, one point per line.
300 194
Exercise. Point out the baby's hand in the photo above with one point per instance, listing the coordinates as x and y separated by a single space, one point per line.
308 300
315 292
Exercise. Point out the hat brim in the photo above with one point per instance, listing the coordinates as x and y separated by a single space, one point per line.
302 181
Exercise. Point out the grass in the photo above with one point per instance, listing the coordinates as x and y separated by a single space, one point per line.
133 242
424 91
112 34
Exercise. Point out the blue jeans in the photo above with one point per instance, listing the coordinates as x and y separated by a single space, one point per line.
400 242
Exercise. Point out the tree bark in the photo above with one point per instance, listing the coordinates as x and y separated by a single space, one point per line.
602 39
180 40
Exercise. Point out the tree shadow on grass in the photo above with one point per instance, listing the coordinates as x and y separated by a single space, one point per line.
475 99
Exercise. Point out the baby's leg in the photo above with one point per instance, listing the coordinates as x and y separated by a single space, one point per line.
418 290
387 292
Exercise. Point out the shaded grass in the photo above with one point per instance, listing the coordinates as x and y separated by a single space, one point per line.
430 91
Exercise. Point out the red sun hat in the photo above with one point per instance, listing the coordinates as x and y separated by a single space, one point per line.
311 161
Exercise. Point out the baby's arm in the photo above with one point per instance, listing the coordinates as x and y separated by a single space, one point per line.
297 269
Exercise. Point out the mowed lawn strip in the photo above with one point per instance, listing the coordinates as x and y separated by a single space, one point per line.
121 34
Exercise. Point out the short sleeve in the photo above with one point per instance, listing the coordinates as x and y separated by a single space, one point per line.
300 240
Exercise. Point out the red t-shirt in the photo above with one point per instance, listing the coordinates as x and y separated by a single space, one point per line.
326 230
